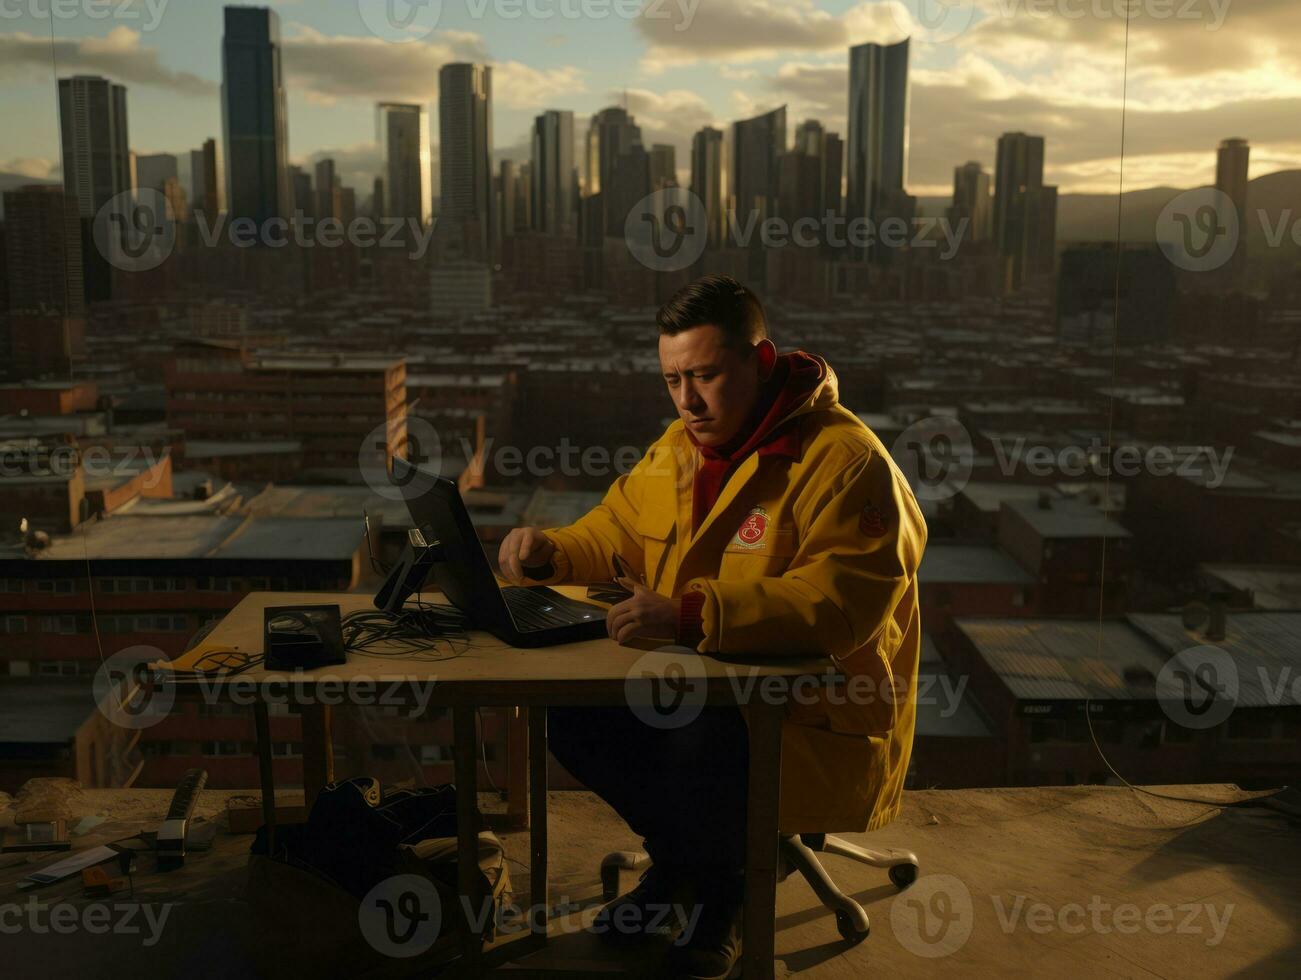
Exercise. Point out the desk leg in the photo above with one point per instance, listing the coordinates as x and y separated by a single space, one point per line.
318 752
538 818
761 851
517 779
465 750
266 773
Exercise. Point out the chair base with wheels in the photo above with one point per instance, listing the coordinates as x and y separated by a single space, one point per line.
800 853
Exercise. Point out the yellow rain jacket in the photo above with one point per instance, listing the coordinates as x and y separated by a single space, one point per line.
812 555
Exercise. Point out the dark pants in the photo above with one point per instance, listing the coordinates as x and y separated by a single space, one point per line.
681 789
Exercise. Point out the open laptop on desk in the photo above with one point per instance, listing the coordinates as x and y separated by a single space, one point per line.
523 616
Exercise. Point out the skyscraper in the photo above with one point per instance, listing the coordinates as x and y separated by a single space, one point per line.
154 169
757 146
43 252
465 148
709 169
612 133
96 164
971 202
93 121
664 166
327 189
254 120
553 173
207 179
810 173
1231 178
878 130
1025 210
403 131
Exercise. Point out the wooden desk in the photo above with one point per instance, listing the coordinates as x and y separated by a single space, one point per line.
489 673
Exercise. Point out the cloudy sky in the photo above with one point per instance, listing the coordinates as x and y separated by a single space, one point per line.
1198 71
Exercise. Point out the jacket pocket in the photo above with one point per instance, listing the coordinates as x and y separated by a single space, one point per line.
657 530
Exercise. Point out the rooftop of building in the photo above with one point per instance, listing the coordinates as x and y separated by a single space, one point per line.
964 564
1275 587
1065 518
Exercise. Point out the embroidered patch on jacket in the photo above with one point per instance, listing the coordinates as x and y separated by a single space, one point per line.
871 521
752 530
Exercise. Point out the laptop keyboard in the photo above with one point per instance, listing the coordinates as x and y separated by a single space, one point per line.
540 609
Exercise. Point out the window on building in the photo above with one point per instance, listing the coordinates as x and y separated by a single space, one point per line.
13 624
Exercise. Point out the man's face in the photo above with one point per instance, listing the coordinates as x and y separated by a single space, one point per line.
715 388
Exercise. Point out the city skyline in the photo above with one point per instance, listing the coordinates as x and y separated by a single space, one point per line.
684 81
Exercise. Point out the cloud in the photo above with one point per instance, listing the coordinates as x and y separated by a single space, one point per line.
118 56
739 30
325 68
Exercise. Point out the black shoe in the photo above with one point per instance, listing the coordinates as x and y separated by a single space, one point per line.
653 908
709 948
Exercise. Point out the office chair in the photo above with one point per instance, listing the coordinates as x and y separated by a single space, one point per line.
798 853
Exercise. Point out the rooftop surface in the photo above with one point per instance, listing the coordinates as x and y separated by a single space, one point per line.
1084 881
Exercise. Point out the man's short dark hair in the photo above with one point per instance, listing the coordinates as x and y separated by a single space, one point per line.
719 300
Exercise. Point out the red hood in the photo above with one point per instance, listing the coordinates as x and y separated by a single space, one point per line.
795 376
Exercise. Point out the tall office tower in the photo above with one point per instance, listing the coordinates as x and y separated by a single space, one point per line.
524 197
96 164
254 120
507 180
664 166
611 133
347 205
554 207
43 252
1231 178
300 191
971 202
403 134
377 198
465 148
1025 210
629 182
878 131
153 170
709 180
757 147
808 138
44 328
327 189
93 123
833 173
207 179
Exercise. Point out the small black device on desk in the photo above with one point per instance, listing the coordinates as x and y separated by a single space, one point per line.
303 637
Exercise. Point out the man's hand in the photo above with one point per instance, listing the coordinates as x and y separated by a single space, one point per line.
524 547
646 613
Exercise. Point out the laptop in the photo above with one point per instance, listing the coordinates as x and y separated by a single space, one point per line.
523 616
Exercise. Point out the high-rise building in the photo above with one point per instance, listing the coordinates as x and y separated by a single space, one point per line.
629 182
465 151
709 170
254 119
96 164
554 206
757 147
612 134
663 165
93 120
878 131
327 189
300 190
971 202
207 179
1025 210
506 181
833 173
1105 297
1231 178
403 132
42 239
810 173
154 169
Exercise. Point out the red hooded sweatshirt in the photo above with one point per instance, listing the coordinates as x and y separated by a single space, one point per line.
794 378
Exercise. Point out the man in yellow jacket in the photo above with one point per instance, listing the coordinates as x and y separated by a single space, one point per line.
768 519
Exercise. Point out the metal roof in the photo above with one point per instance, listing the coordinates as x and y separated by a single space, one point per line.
970 564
